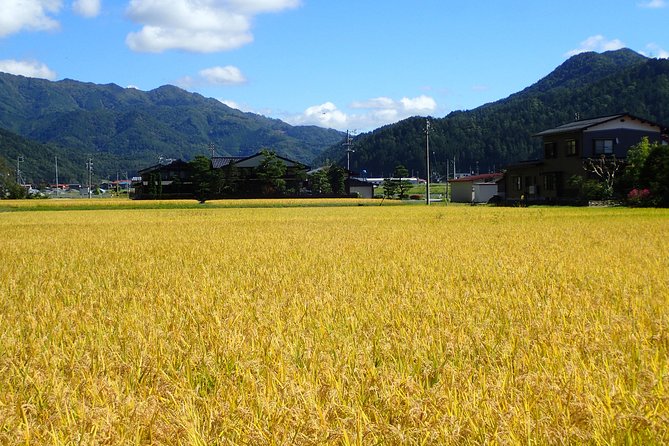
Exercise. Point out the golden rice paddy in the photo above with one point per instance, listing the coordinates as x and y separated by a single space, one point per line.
333 325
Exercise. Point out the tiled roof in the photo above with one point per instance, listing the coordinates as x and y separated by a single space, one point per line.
486 177
221 161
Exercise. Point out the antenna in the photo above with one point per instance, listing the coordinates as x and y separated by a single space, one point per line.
212 149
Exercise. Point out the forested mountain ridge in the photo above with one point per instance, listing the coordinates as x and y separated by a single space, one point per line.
126 129
499 133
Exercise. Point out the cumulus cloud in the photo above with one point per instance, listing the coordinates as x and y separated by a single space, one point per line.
31 15
654 50
369 114
28 68
228 75
596 43
223 75
87 8
654 4
203 26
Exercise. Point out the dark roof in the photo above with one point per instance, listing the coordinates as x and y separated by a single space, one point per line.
584 124
485 177
175 163
221 161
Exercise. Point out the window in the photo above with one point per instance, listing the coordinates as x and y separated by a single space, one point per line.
549 181
550 150
603 147
572 148
517 182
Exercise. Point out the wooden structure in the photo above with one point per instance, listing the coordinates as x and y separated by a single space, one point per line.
566 148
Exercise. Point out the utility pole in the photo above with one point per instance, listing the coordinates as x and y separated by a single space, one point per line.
19 176
427 161
348 144
57 184
89 166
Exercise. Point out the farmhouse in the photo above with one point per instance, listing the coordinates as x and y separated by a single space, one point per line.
567 147
245 177
235 176
475 188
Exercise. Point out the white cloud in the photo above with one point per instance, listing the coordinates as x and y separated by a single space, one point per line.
31 15
228 75
244 107
654 4
223 75
381 102
202 26
420 104
87 8
28 68
654 50
596 43
373 113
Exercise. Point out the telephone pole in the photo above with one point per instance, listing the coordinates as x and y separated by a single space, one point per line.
19 176
348 144
57 185
427 161
89 166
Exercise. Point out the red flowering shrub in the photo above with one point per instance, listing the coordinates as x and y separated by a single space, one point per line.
638 197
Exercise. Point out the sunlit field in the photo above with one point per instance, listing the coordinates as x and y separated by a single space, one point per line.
218 324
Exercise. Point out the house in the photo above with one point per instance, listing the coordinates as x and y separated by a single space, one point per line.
566 148
475 188
164 180
243 174
238 177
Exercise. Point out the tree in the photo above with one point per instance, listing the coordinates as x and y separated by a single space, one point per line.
389 188
271 172
636 159
203 178
655 175
319 183
605 169
403 186
337 178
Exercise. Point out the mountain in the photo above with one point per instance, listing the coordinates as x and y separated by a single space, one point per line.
39 160
499 133
125 129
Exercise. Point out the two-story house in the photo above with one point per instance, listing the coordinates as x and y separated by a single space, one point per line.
565 148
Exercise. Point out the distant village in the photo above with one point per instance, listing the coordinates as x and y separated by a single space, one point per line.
582 151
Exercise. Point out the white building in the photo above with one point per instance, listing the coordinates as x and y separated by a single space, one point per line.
475 188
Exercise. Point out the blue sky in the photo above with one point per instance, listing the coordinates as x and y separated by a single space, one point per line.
343 64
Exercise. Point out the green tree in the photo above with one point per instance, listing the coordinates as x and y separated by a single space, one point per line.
636 159
271 172
389 187
337 178
319 183
400 174
203 178
655 175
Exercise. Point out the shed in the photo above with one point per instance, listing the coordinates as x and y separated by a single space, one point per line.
475 188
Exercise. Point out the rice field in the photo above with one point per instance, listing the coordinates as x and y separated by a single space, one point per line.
352 325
